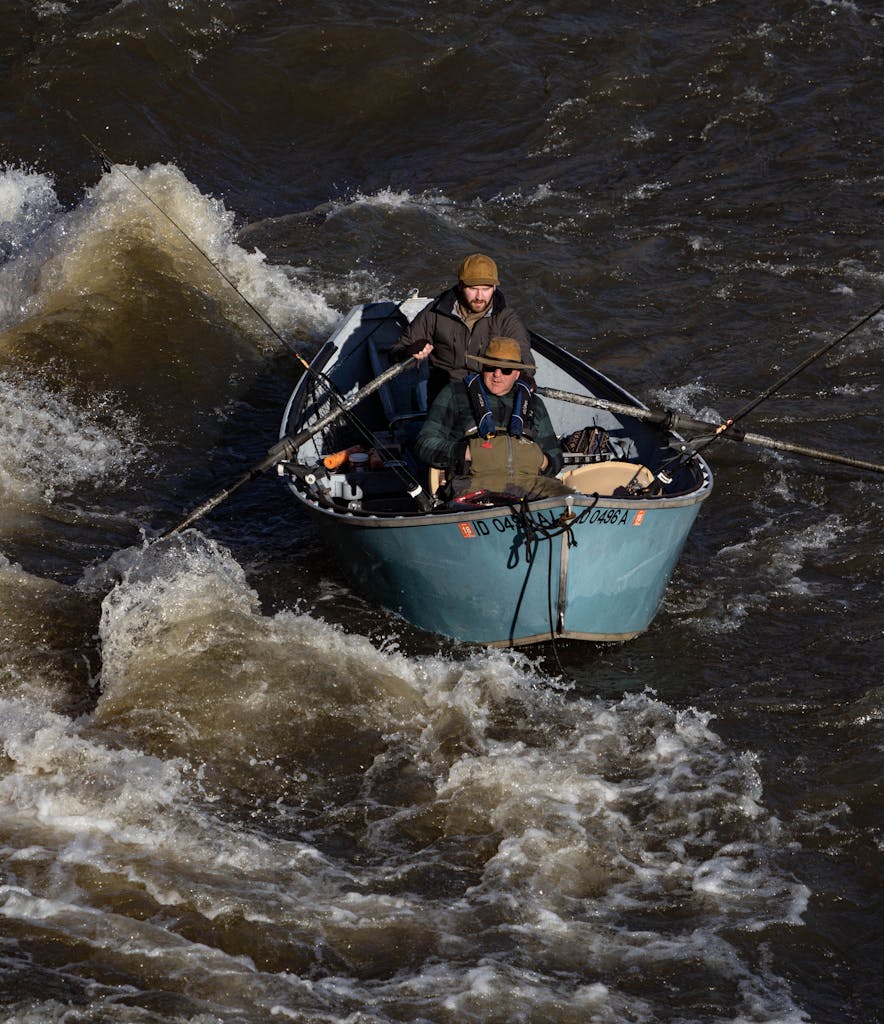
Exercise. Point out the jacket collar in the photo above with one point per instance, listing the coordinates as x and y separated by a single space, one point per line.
445 303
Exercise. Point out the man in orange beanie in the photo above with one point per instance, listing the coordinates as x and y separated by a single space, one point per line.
460 322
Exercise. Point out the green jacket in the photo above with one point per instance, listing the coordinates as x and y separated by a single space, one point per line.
443 437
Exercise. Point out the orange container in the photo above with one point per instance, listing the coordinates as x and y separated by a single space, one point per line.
338 459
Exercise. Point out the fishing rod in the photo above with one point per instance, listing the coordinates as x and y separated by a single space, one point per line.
725 428
425 501
803 365
728 430
109 165
287 446
676 423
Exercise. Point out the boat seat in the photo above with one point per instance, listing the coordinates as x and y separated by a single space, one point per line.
404 398
437 478
606 477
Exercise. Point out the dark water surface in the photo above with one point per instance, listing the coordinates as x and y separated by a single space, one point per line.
231 791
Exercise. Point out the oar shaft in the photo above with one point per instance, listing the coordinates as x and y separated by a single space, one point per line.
287 446
813 453
255 471
676 422
602 403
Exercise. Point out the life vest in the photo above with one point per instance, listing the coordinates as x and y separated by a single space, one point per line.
505 460
521 422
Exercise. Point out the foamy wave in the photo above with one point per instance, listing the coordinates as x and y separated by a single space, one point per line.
389 199
766 566
119 792
423 204
27 203
647 190
859 272
557 782
28 207
683 398
68 251
554 826
49 445
201 229
786 563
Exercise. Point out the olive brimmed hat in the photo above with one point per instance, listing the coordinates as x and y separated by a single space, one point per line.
503 352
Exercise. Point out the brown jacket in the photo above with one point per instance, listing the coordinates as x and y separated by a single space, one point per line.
451 338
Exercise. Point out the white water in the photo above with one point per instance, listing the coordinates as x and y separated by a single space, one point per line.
506 835
262 815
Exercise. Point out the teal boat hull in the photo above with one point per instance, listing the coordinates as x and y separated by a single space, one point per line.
588 566
490 578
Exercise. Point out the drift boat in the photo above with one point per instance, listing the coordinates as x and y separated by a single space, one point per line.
488 569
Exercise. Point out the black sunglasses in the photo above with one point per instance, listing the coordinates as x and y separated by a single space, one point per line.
504 373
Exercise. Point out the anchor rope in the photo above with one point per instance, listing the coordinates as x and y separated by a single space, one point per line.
535 532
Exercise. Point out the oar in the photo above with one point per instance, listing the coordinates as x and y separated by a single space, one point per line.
676 422
286 447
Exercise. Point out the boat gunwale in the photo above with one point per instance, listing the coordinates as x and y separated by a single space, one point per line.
582 373
565 634
579 500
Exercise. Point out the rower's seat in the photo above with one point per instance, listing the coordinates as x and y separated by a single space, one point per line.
404 398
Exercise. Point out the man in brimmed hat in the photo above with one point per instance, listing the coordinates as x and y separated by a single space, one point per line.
490 432
460 322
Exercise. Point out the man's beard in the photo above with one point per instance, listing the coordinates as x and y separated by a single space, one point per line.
476 306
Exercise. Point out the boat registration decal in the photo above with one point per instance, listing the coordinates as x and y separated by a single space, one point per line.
639 516
592 516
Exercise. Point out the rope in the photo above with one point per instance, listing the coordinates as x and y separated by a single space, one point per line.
532 528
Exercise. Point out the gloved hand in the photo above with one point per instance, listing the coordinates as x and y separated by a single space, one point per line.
416 348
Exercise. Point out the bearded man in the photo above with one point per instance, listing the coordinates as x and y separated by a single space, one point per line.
460 322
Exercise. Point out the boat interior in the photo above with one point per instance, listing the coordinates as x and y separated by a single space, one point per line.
362 462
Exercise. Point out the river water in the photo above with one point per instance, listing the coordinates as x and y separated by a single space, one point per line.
230 790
